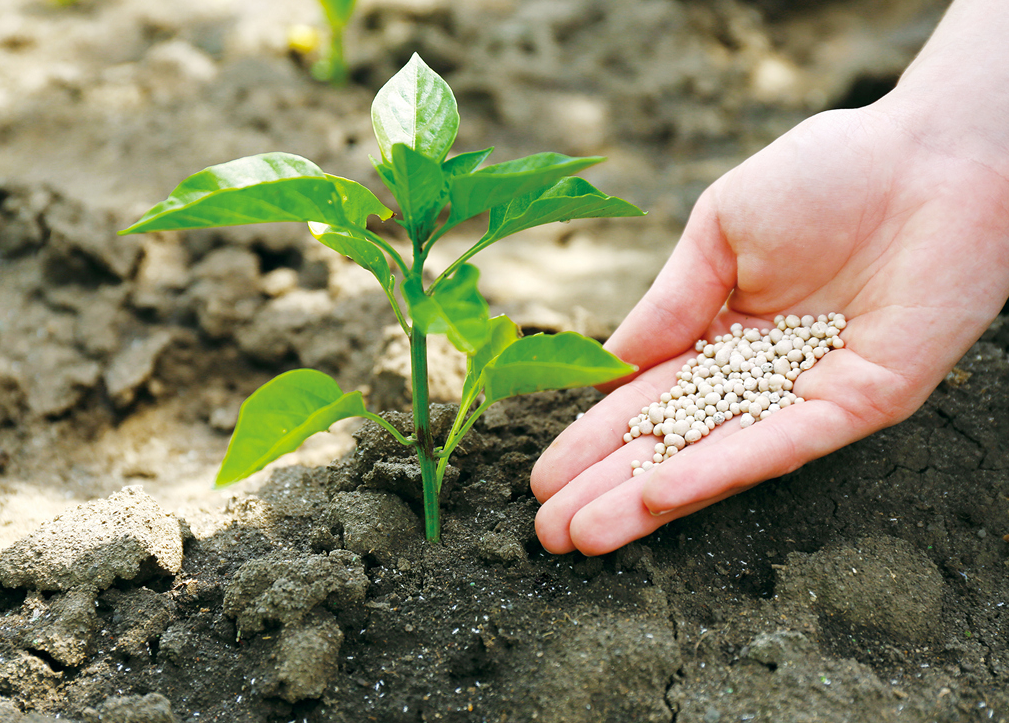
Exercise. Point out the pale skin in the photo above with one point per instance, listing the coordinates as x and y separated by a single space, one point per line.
896 215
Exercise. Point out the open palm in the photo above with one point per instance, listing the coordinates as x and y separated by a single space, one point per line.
850 213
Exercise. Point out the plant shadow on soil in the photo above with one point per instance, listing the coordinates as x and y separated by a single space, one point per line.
868 585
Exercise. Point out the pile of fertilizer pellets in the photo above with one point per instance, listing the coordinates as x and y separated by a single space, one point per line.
747 373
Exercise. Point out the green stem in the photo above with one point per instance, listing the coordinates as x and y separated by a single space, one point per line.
453 441
384 245
405 441
422 427
475 249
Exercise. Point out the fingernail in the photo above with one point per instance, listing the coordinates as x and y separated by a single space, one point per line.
659 514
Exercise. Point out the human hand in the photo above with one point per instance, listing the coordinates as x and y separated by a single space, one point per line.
857 212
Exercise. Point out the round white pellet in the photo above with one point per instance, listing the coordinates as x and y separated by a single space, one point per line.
818 352
647 464
710 423
635 472
734 408
774 408
665 397
700 414
693 436
681 426
635 463
635 431
792 321
746 420
674 441
655 414
722 405
712 398
764 415
645 427
807 365
787 386
792 375
628 437
838 342
752 335
807 320
657 458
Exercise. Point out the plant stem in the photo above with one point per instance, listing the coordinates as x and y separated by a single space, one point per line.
422 427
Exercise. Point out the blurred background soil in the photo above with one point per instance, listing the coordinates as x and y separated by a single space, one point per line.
124 359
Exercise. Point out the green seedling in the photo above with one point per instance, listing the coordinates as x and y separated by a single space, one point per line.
332 66
415 120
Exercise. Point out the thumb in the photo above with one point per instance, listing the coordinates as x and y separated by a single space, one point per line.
685 297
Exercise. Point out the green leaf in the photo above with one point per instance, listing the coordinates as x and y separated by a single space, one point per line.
338 12
359 248
420 187
502 332
567 199
456 309
558 361
258 189
282 414
416 107
501 183
465 162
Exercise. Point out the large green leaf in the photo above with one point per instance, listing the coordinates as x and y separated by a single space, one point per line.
501 183
558 361
502 332
420 187
282 414
359 248
567 199
456 309
465 162
259 189
416 107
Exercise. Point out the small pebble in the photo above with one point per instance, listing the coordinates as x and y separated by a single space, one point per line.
747 373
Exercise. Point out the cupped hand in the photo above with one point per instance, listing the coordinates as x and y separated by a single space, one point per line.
850 212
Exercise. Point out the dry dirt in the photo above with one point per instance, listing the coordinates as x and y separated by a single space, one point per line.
870 585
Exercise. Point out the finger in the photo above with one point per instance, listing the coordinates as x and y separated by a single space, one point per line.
618 517
682 301
600 431
554 519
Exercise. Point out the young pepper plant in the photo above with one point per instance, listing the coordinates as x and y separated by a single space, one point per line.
332 66
415 121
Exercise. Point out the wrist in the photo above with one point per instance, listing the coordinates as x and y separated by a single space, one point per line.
954 97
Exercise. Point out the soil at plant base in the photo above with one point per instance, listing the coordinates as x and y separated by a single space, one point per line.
868 586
